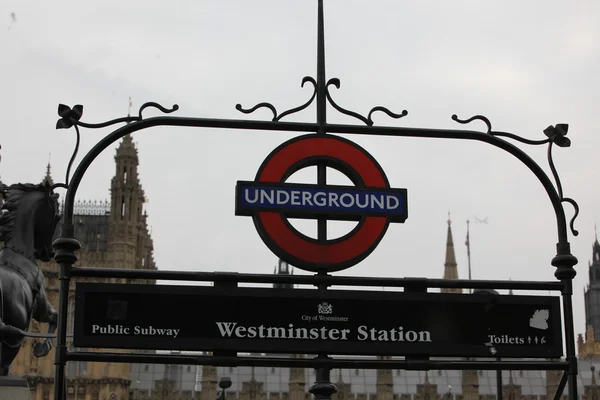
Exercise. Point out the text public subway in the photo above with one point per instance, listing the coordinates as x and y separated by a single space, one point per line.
363 333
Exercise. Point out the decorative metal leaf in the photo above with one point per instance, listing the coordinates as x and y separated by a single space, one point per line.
77 112
63 110
63 124
557 134
562 128
68 115
562 141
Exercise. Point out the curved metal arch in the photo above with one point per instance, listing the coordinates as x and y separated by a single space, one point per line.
544 179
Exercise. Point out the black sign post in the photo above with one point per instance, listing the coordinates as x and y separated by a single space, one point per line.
499 326
309 322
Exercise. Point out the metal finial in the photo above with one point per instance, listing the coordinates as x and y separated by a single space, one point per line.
449 220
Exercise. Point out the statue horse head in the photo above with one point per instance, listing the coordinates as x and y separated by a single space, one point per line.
28 219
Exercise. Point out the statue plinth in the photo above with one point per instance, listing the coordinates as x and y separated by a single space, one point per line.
14 388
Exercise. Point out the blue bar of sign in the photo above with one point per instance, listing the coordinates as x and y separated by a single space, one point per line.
304 201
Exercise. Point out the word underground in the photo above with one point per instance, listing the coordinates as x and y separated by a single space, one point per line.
373 201
229 329
137 330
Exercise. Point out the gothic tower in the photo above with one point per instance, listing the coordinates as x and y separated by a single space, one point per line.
283 268
48 177
111 236
384 384
297 382
127 201
450 266
590 348
209 383
592 292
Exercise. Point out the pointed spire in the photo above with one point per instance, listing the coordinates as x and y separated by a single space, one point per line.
127 147
48 177
596 248
450 266
340 377
282 268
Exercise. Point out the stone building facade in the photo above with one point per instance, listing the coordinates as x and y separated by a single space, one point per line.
113 235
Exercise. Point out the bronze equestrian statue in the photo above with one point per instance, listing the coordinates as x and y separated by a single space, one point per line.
28 219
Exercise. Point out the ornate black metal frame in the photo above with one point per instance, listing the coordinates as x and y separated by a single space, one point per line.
67 245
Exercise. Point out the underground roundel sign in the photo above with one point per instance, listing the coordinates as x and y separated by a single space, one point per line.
270 201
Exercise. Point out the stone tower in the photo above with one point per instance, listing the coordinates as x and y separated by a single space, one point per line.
112 235
590 348
385 383
127 235
592 292
209 383
297 383
48 177
450 266
470 384
283 268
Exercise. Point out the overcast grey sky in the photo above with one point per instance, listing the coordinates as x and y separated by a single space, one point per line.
525 65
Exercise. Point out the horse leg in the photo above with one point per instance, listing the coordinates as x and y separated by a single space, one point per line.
41 349
8 354
45 313
9 344
14 313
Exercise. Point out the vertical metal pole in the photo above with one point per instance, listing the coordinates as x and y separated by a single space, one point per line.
570 337
322 389
321 110
564 262
321 95
65 256
499 383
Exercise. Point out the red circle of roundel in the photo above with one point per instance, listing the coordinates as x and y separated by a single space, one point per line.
302 251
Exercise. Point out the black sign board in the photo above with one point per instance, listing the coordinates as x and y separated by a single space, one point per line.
305 321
